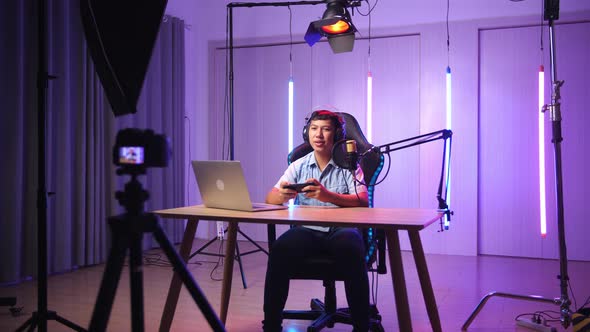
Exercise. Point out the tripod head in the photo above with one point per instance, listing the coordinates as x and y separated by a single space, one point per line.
133 197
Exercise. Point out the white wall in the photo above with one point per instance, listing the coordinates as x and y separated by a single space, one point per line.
206 20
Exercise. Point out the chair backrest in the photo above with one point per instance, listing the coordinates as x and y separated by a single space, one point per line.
371 164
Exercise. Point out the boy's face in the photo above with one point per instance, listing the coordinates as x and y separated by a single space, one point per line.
321 135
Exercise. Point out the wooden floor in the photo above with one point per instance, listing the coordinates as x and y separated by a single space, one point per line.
459 283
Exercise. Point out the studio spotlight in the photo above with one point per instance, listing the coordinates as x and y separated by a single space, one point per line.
336 25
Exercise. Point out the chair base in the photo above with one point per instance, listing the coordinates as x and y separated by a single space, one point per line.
323 317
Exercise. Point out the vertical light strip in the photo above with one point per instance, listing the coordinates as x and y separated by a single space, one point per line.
290 148
542 200
448 120
370 107
369 123
290 106
448 148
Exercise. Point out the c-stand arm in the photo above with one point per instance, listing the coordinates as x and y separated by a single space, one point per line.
444 134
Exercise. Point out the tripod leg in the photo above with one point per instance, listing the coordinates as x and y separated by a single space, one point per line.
35 322
29 323
253 242
136 279
187 279
175 284
66 322
110 281
239 258
239 255
202 248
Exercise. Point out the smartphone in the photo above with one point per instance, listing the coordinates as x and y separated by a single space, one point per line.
298 187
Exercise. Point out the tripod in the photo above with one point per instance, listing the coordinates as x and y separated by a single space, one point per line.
128 229
238 254
42 315
551 13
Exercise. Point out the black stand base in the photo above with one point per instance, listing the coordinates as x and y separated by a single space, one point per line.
37 319
238 254
326 315
485 299
127 234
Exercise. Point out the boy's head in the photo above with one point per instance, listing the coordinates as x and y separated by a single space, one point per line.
337 121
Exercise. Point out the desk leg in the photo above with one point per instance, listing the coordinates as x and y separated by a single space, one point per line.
425 283
399 281
230 250
176 283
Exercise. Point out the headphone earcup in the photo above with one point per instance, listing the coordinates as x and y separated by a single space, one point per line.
305 132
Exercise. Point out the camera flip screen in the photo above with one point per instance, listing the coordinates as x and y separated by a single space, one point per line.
131 155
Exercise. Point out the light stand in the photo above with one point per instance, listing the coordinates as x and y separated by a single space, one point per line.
555 114
42 315
270 229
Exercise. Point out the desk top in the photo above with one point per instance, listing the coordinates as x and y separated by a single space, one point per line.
387 218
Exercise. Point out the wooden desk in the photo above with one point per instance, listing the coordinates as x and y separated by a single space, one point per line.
391 220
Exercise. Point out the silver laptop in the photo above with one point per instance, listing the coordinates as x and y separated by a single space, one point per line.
223 186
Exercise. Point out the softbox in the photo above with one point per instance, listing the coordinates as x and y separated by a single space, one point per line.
121 36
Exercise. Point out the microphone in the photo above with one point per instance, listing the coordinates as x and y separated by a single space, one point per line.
351 155
345 154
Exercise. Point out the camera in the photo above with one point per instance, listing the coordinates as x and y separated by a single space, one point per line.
139 149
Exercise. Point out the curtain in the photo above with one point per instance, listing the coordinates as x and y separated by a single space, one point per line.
80 133
161 108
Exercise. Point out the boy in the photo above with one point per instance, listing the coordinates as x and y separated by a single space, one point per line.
330 185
